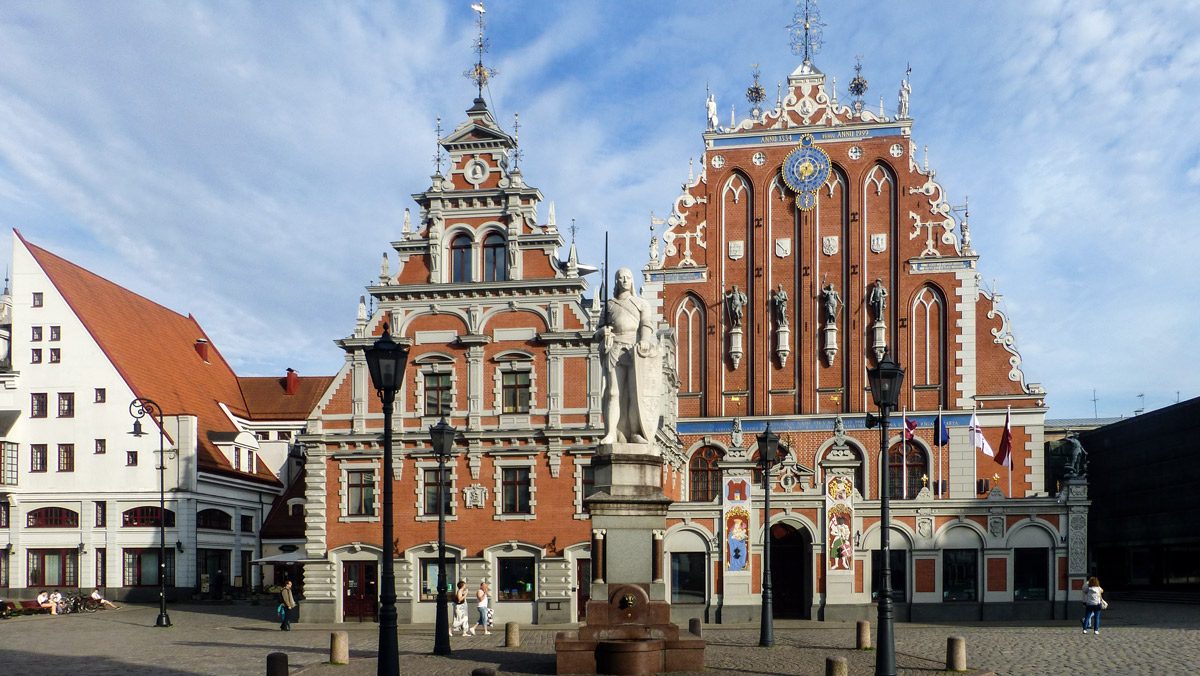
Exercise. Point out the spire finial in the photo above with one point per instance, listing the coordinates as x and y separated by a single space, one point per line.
437 153
573 229
806 30
479 73
755 93
516 151
858 85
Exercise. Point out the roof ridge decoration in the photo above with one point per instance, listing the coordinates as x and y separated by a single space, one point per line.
1004 337
677 220
943 214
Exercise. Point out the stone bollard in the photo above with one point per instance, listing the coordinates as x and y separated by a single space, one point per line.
277 664
956 653
512 635
339 647
864 635
837 666
483 671
696 627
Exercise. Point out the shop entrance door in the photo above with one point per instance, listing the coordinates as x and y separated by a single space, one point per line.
360 590
791 572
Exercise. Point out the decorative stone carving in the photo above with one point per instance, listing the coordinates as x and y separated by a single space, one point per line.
475 496
996 526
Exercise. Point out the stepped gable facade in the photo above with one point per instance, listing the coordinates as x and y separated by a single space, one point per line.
500 340
812 242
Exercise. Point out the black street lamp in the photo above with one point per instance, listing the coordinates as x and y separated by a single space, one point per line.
140 408
386 360
885 381
768 448
441 437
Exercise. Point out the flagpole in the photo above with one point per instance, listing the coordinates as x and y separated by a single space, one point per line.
937 439
904 452
1009 459
974 447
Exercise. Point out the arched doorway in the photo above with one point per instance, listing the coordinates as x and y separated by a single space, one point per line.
791 572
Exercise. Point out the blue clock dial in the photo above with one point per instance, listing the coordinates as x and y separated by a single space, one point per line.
805 170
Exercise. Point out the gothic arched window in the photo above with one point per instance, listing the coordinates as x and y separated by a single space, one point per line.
704 477
494 262
460 259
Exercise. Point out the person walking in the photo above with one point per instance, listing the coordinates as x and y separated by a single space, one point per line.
1093 603
460 609
483 596
286 602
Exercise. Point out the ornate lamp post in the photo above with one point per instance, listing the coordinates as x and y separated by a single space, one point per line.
768 448
441 437
140 408
387 359
885 381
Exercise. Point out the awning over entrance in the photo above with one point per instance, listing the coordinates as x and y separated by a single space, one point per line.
287 557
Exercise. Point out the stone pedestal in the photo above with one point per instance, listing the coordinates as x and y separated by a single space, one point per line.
629 629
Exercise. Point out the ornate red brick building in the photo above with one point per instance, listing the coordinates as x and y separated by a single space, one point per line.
813 242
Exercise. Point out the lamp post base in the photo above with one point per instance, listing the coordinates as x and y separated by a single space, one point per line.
163 620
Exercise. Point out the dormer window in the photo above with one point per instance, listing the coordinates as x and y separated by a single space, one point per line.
460 259
494 261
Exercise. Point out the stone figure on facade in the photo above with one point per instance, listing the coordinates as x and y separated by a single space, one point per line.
710 107
832 301
735 303
779 301
877 300
905 90
1077 466
632 368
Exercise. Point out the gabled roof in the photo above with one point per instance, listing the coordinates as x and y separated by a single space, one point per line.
267 398
280 523
154 350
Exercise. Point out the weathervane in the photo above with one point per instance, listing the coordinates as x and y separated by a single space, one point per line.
437 155
806 29
479 73
573 231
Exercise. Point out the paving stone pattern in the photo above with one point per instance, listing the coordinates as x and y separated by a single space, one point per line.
1137 638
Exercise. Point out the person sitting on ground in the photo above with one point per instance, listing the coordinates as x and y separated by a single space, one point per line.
99 598
43 600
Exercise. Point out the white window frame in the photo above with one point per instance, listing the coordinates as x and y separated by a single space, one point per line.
344 491
498 500
452 469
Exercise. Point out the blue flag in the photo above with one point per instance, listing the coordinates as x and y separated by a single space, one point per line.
942 435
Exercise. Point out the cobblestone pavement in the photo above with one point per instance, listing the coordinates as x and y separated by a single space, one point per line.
1137 638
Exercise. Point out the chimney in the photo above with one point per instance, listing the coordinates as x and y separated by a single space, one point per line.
202 349
291 382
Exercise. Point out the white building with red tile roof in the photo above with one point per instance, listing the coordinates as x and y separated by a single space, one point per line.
79 496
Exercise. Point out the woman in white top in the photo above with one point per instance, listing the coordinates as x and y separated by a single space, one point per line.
483 596
1093 603
460 608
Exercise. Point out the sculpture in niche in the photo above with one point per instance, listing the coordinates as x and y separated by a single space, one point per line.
877 300
780 303
632 369
735 303
832 301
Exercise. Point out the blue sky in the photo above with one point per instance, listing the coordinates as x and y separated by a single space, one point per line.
249 162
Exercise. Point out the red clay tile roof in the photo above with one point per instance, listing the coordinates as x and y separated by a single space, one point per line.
267 399
153 348
280 523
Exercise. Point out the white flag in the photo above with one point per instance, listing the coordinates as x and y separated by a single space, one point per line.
981 442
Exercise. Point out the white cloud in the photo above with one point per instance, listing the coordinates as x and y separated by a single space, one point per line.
249 163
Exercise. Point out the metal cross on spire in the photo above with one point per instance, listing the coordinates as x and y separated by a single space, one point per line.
805 29
479 73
